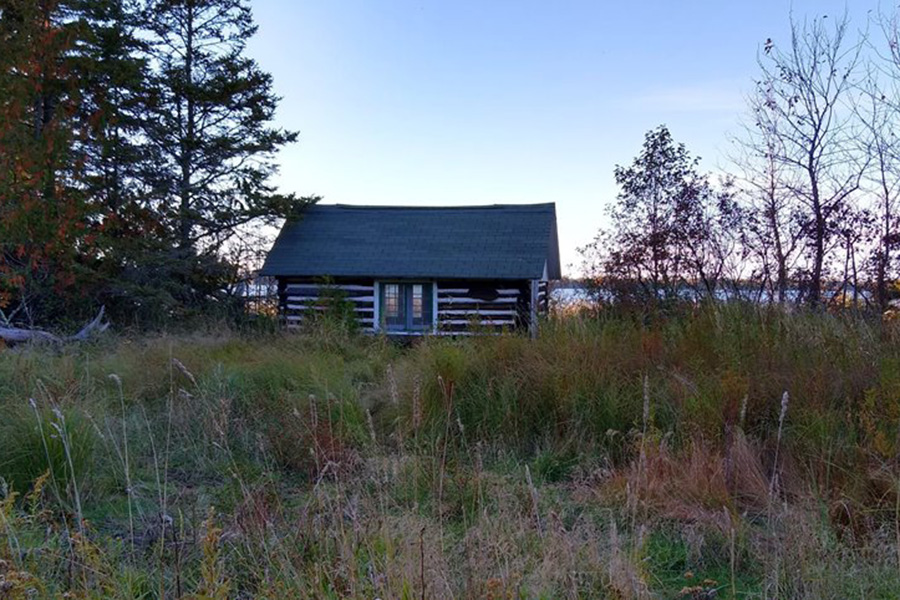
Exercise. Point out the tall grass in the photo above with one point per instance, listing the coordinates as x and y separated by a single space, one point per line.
619 456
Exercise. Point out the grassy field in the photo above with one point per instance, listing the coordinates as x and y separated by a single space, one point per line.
728 452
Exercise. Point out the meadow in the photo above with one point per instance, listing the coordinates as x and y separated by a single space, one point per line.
727 451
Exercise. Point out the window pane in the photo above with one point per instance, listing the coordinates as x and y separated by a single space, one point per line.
391 300
417 302
427 304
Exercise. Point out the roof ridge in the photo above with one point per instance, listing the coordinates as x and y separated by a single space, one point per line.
443 207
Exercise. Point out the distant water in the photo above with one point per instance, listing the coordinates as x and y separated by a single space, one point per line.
576 295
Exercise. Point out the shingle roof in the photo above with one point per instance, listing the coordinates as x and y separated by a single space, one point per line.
506 241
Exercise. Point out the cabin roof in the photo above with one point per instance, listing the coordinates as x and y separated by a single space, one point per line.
501 241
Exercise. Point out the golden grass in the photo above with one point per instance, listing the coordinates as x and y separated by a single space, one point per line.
610 458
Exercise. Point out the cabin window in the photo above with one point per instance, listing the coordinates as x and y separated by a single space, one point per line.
391 301
406 306
417 301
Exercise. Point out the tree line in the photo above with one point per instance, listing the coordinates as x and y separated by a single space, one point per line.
136 155
809 212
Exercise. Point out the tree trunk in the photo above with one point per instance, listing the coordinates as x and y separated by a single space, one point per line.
815 283
15 335
884 257
187 147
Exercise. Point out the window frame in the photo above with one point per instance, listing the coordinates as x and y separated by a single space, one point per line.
407 289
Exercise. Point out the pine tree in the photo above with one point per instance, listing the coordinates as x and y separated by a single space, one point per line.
135 138
121 166
212 122
112 67
43 209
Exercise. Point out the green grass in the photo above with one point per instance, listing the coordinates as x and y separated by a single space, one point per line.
332 465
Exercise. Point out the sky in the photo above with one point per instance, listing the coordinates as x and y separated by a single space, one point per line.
459 102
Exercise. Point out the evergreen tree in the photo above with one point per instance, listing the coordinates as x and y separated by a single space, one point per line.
133 268
212 122
113 72
44 211
135 139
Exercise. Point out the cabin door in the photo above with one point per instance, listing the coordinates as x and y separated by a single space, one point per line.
406 306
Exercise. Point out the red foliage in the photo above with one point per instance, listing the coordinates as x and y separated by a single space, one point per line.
43 211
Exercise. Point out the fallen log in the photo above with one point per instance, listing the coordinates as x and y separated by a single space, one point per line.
18 335
14 335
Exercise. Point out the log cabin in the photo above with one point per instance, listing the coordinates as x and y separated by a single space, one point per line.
411 270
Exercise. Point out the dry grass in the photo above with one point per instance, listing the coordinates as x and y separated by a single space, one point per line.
616 458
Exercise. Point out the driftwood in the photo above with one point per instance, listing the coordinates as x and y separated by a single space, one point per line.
16 335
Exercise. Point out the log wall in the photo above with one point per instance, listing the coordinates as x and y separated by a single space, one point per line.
463 307
466 307
301 297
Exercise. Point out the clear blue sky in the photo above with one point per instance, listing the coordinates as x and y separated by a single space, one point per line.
501 101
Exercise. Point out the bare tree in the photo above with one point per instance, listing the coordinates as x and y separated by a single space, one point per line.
878 116
772 232
809 86
717 249
878 112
